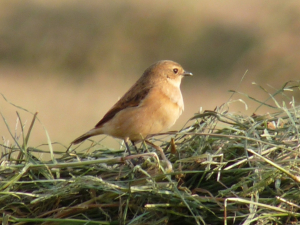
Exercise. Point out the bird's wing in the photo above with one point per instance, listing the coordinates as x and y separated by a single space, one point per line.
132 98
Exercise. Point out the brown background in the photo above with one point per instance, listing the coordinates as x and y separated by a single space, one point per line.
72 60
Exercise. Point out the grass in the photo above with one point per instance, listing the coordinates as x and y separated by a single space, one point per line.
226 168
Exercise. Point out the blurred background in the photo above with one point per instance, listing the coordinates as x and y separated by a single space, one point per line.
72 60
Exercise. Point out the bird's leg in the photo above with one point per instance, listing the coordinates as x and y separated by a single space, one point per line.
133 161
127 146
137 151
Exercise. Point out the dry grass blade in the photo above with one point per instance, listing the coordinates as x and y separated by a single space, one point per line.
30 129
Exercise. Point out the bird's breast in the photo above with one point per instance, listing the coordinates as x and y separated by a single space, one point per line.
173 93
165 106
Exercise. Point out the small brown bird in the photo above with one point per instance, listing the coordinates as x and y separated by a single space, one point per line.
151 105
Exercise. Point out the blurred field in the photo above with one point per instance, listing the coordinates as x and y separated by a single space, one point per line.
72 60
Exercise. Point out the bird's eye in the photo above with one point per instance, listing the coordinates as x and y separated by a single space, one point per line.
175 70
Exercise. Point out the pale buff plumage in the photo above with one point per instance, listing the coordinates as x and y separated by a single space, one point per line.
151 105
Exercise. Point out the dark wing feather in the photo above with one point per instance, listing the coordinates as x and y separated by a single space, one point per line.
131 99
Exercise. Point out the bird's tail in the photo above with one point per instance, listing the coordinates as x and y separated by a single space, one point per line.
80 139
85 136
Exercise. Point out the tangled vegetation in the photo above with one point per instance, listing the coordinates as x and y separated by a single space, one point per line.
223 168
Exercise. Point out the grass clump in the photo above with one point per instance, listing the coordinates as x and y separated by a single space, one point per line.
226 169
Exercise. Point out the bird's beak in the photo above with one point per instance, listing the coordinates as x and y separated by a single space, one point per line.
185 73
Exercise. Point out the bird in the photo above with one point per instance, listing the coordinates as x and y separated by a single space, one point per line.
151 105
